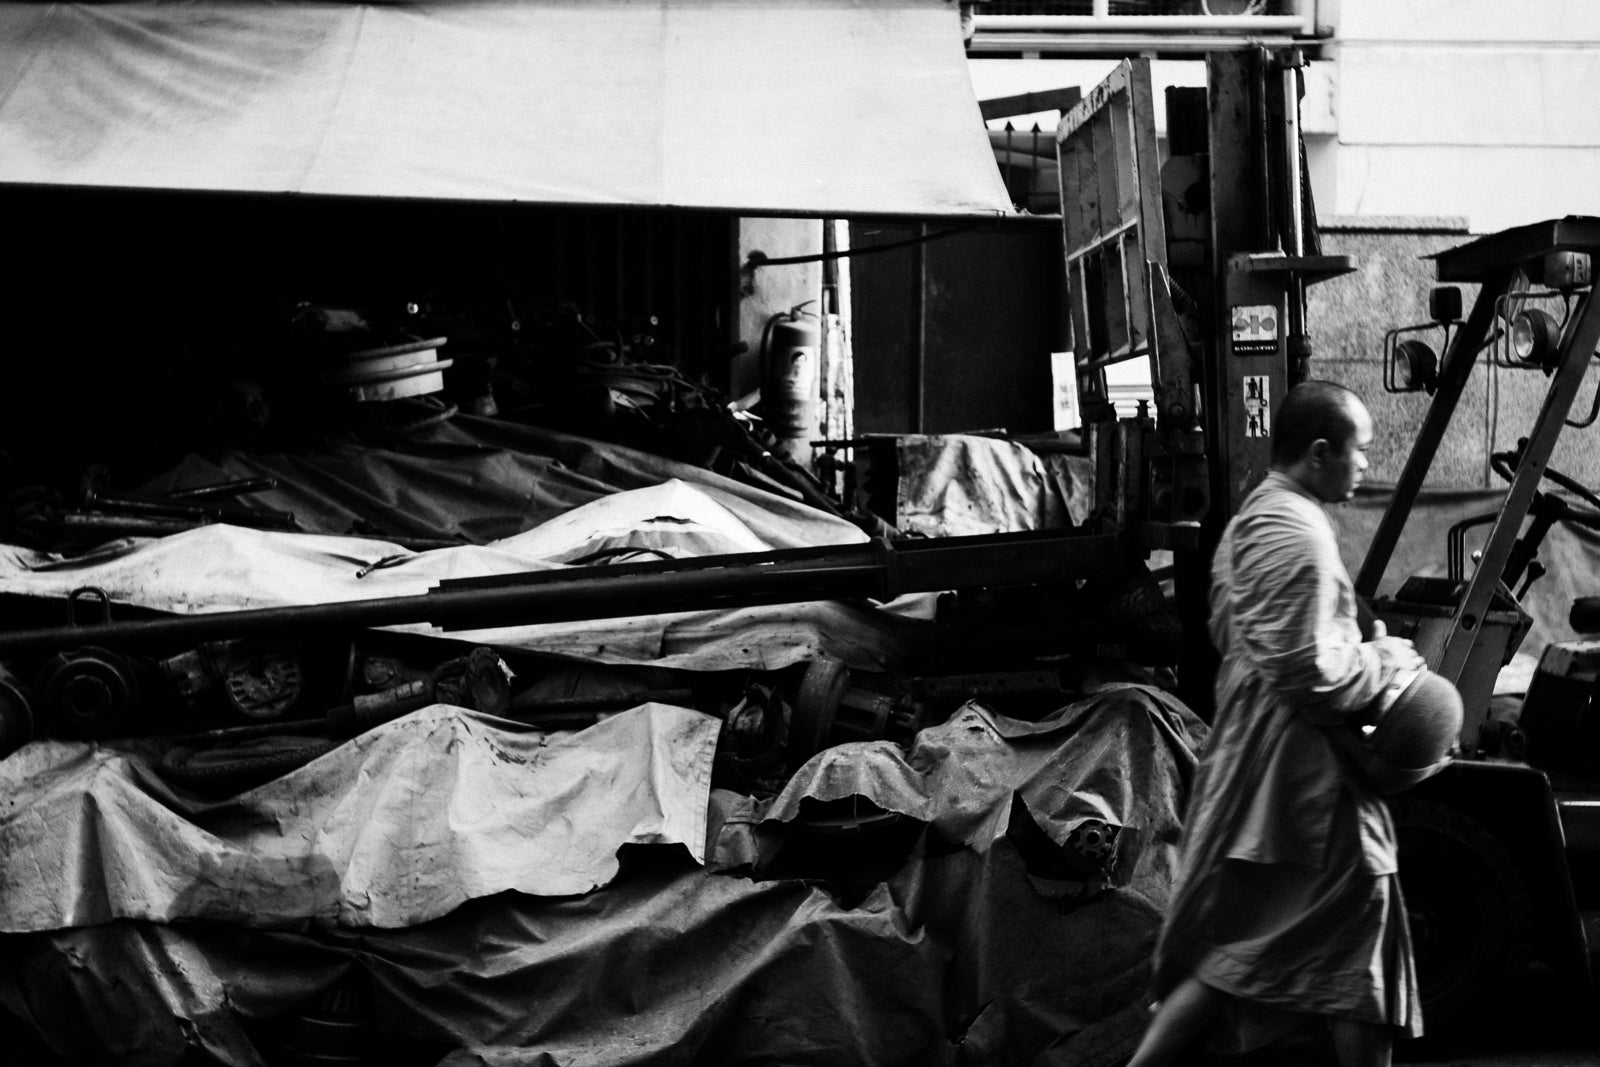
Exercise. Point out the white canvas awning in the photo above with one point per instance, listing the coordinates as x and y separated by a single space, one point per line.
816 107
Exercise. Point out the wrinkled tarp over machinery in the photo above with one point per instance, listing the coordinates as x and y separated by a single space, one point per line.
994 931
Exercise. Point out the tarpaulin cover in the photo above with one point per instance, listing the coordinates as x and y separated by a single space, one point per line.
484 479
222 568
824 107
961 954
395 828
951 485
1106 758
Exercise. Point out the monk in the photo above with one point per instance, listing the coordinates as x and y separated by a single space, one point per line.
1287 906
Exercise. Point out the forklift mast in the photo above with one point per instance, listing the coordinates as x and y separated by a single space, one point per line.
1198 266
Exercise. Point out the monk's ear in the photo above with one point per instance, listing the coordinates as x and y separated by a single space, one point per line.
1320 448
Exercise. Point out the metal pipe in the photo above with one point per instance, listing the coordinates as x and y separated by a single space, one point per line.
100 523
919 329
1294 202
1261 135
530 705
235 514
1099 45
236 487
478 608
865 571
1011 134
1250 24
1294 218
225 734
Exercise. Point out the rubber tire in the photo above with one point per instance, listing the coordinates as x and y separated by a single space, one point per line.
816 703
1470 913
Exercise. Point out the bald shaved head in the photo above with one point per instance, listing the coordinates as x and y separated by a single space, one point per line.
1313 410
1320 438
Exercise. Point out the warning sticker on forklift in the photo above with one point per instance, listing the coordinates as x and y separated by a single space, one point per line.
1255 330
1257 406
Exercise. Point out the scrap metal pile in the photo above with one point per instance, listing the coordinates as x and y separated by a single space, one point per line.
598 754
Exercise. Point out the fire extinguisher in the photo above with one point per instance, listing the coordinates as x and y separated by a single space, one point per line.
791 347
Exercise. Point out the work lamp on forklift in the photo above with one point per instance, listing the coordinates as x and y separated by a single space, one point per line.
1535 311
1410 364
1534 336
1533 332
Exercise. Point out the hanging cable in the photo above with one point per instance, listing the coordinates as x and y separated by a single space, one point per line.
758 259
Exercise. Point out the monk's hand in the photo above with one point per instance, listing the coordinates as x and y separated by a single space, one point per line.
1399 654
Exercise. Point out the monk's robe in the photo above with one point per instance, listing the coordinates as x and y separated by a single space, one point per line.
1288 896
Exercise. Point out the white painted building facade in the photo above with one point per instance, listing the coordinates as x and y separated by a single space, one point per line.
1476 109
1482 109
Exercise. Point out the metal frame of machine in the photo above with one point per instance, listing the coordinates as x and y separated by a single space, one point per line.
1468 627
1495 263
1224 331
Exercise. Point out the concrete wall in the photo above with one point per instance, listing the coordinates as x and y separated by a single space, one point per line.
768 290
1348 318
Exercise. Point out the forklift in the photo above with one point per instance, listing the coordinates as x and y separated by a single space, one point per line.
1507 840
1199 265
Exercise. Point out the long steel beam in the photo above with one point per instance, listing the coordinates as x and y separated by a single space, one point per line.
877 570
